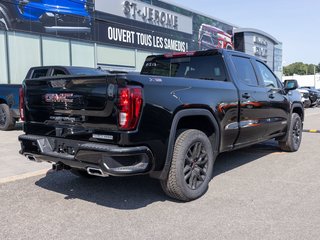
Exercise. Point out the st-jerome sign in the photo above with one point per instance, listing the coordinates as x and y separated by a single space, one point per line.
143 12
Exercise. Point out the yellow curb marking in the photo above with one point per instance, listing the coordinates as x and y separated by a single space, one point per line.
278 153
313 131
23 176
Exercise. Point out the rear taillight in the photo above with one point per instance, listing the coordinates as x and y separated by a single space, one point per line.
130 104
21 103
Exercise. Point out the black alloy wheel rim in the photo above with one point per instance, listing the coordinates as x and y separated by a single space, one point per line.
195 165
296 132
2 117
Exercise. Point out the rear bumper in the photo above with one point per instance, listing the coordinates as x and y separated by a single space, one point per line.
110 159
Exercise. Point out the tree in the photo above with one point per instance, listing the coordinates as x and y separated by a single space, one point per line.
300 68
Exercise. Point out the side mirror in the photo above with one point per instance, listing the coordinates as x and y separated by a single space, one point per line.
290 85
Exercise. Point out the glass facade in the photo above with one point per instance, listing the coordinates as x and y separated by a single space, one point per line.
109 34
55 51
22 51
278 60
3 59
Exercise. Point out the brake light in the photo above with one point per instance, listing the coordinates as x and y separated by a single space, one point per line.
179 54
21 103
130 104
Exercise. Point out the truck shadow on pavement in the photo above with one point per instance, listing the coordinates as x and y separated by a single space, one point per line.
131 193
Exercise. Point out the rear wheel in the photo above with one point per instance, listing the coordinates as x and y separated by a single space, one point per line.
7 122
191 167
294 138
4 20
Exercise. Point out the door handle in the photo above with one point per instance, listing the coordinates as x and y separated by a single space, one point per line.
271 95
246 95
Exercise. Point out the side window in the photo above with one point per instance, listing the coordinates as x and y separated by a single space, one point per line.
58 72
206 38
37 73
267 76
245 70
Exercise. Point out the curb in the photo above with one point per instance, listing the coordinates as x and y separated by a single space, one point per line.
311 131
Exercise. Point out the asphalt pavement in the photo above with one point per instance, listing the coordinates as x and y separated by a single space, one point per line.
256 193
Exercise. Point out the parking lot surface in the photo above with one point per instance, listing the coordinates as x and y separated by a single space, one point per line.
256 193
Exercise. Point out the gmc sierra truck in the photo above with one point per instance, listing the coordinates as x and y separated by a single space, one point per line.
169 122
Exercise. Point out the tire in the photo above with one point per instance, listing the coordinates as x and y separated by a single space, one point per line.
5 23
306 104
81 173
294 138
191 167
7 122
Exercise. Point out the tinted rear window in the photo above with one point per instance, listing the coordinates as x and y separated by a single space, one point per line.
201 67
37 73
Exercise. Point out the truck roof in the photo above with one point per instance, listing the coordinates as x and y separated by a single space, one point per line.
208 52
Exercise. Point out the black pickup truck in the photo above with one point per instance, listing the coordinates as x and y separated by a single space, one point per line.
170 122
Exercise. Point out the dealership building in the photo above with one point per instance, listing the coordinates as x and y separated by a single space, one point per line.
115 35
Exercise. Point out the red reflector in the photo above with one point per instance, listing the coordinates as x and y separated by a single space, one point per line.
130 103
21 103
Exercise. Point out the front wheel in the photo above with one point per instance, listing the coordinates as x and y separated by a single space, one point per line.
293 141
191 167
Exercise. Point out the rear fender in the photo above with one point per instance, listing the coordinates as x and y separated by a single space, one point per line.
294 107
173 132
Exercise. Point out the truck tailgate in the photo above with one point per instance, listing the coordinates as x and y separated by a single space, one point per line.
82 102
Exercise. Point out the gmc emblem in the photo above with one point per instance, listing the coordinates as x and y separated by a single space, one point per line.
58 98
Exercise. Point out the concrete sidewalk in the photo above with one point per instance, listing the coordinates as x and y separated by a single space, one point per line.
11 162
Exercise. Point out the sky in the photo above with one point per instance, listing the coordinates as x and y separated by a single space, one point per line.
295 23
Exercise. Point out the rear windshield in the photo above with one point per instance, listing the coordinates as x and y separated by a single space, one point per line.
201 67
38 73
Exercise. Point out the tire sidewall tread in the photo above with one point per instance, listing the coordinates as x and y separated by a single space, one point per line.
289 145
175 185
10 122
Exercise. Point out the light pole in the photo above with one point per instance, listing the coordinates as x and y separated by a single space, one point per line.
314 76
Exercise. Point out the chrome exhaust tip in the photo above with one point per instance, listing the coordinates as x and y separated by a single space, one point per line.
96 172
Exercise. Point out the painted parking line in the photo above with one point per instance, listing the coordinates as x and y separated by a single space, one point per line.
311 130
24 176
